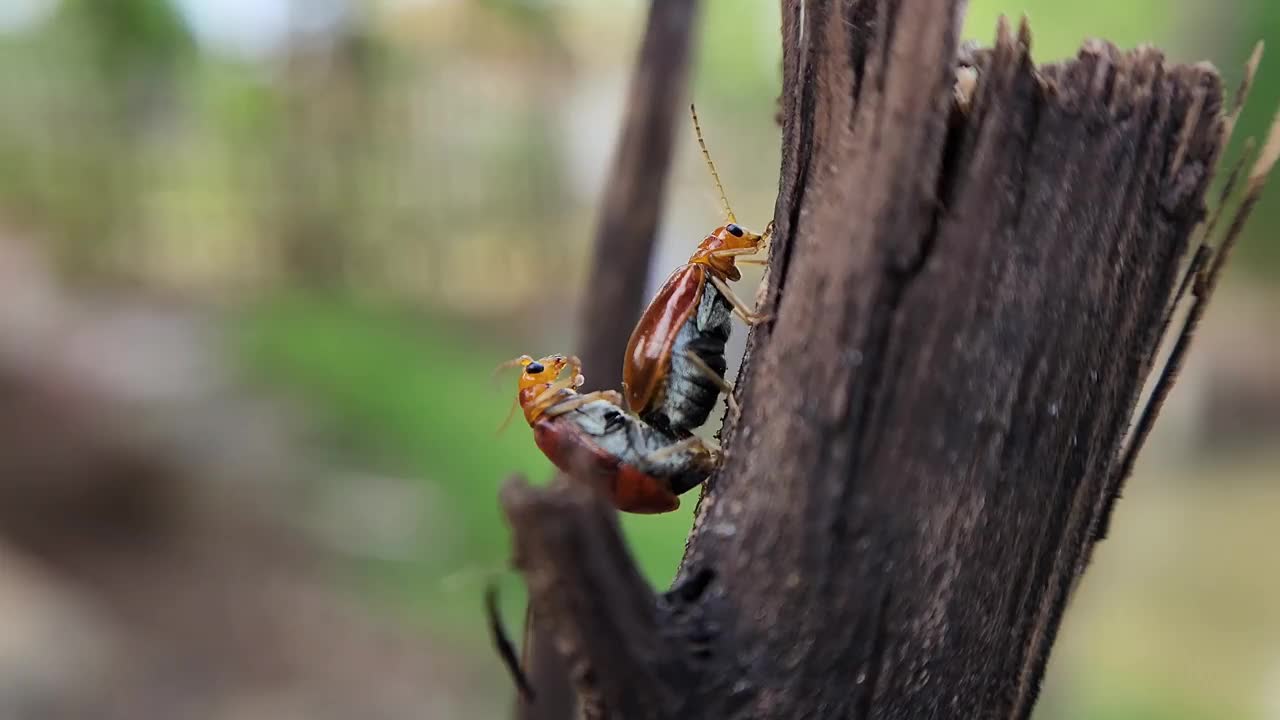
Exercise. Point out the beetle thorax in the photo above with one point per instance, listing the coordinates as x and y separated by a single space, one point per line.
722 266
711 251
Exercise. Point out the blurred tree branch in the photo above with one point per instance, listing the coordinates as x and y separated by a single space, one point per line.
633 197
623 248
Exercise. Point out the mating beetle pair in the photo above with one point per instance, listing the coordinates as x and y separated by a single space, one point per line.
641 449
591 437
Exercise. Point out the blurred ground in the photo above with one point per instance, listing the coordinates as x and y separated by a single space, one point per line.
290 242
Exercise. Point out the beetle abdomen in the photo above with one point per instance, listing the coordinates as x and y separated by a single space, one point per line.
689 395
623 456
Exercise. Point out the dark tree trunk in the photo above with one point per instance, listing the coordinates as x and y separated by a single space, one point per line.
968 296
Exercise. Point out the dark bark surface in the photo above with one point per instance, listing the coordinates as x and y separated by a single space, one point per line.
966 304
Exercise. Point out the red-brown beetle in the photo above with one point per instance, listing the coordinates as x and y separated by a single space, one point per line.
640 468
674 367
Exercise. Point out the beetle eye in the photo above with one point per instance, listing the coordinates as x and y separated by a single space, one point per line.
734 230
534 368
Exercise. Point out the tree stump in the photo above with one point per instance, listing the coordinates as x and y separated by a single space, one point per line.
970 283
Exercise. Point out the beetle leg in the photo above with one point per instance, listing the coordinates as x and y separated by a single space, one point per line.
578 401
748 316
762 292
554 389
689 443
715 377
626 404
734 251
575 370
765 247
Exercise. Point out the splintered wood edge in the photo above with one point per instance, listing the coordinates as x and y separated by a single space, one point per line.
1213 249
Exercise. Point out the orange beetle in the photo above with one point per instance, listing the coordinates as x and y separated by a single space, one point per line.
674 367
589 435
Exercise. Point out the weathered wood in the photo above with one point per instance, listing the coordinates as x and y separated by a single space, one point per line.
966 302
568 598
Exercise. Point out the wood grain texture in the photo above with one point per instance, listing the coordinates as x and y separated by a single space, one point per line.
966 307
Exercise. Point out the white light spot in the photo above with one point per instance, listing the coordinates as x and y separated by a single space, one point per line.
19 15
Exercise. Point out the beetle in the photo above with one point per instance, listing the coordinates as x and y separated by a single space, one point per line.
674 366
640 468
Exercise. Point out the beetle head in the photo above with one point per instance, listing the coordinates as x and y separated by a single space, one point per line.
546 370
720 249
537 378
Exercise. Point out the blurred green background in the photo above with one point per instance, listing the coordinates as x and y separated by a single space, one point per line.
381 201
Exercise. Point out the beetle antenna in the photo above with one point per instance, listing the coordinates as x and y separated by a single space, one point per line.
706 155
521 361
513 363
515 403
